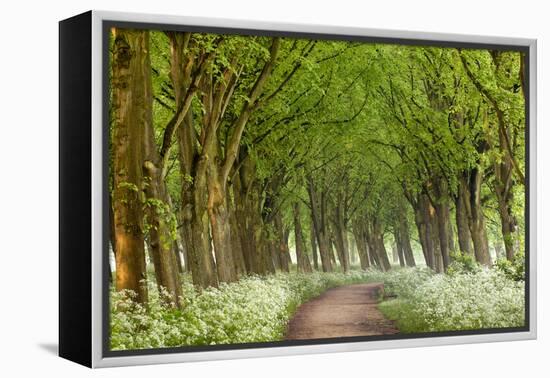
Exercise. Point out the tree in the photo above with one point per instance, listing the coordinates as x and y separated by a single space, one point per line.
239 144
131 114
301 254
498 79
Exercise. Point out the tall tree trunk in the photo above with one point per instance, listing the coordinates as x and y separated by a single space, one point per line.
504 182
463 229
340 244
131 113
406 241
434 228
381 248
423 223
264 244
508 227
442 214
382 261
451 233
421 229
253 234
244 215
282 254
361 243
371 245
373 250
238 258
160 240
471 184
215 202
377 249
340 237
271 215
313 241
302 259
173 220
158 209
195 228
318 216
503 185
398 248
202 264
276 255
220 225
362 251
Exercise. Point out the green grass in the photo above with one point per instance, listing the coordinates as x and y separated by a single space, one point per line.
402 312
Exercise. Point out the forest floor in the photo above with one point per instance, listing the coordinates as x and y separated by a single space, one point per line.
341 312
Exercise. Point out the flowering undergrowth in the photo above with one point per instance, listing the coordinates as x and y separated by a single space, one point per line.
464 300
254 309
257 309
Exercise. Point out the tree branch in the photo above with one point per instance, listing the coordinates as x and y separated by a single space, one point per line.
240 123
179 117
500 117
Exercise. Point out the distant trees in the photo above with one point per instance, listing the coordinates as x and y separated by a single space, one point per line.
245 151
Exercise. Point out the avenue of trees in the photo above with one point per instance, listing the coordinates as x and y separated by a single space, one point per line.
236 155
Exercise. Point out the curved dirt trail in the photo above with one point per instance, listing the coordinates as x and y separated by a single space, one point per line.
341 312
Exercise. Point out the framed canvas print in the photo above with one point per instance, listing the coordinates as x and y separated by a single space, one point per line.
234 189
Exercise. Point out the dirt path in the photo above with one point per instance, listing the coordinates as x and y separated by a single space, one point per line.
341 312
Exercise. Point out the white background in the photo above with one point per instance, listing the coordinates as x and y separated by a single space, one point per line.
29 189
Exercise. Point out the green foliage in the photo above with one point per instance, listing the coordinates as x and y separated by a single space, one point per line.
515 269
472 300
165 215
463 263
394 118
131 187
